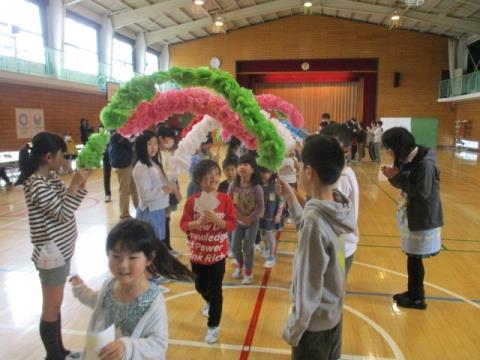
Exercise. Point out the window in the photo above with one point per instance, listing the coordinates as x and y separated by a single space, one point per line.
122 60
21 33
151 62
80 46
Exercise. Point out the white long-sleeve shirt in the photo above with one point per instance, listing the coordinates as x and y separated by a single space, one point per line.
149 182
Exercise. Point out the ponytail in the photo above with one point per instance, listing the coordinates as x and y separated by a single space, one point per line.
31 155
166 265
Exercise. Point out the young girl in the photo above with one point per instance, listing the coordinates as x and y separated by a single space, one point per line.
420 216
129 301
152 185
203 153
271 220
53 229
247 197
208 234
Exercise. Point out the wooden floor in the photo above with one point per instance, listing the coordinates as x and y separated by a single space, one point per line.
254 316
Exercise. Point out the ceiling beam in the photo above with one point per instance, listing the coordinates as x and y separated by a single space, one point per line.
463 25
257 10
70 2
129 17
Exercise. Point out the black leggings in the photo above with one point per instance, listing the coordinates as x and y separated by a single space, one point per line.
416 274
208 282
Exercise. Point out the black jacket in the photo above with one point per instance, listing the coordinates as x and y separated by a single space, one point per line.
420 180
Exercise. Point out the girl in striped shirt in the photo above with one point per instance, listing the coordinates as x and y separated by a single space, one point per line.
53 230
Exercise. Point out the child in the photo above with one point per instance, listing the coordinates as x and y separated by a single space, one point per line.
203 154
129 301
421 218
166 141
152 185
247 197
208 234
347 184
229 167
313 328
53 230
71 153
288 171
271 219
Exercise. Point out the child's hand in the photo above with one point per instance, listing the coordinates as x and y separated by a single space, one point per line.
112 351
389 172
210 216
284 190
277 219
195 225
76 280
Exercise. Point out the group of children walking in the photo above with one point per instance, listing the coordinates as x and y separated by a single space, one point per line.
219 217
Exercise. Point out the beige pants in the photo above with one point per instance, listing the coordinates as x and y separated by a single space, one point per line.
127 188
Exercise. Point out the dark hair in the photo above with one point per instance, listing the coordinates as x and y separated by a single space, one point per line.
263 169
31 156
250 160
380 123
139 236
325 116
338 131
209 139
141 149
164 131
229 161
325 155
400 141
202 169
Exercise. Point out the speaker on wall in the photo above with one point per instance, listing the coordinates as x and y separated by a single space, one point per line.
396 79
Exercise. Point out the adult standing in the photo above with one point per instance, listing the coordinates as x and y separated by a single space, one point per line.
120 152
85 130
377 141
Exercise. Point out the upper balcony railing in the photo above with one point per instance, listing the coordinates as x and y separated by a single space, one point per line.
460 85
78 65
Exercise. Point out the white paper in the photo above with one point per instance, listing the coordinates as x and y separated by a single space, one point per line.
96 341
206 201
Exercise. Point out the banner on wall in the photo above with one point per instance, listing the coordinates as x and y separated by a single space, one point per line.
29 122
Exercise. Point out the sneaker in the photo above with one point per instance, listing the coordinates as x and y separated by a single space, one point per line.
400 295
163 289
247 280
212 335
72 355
406 302
158 280
237 273
270 262
206 309
108 198
175 253
257 247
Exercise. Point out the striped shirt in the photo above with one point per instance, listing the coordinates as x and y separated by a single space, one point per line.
51 214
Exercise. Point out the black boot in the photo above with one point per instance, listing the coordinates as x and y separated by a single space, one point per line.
49 335
59 336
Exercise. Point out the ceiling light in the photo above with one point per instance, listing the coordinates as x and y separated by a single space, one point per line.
414 2
307 3
198 2
219 21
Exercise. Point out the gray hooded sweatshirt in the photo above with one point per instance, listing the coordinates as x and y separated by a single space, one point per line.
318 272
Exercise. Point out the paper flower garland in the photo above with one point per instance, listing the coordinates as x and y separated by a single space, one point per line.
189 100
92 153
273 102
299 134
180 161
270 148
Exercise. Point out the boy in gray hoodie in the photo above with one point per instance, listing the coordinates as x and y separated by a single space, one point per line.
313 327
